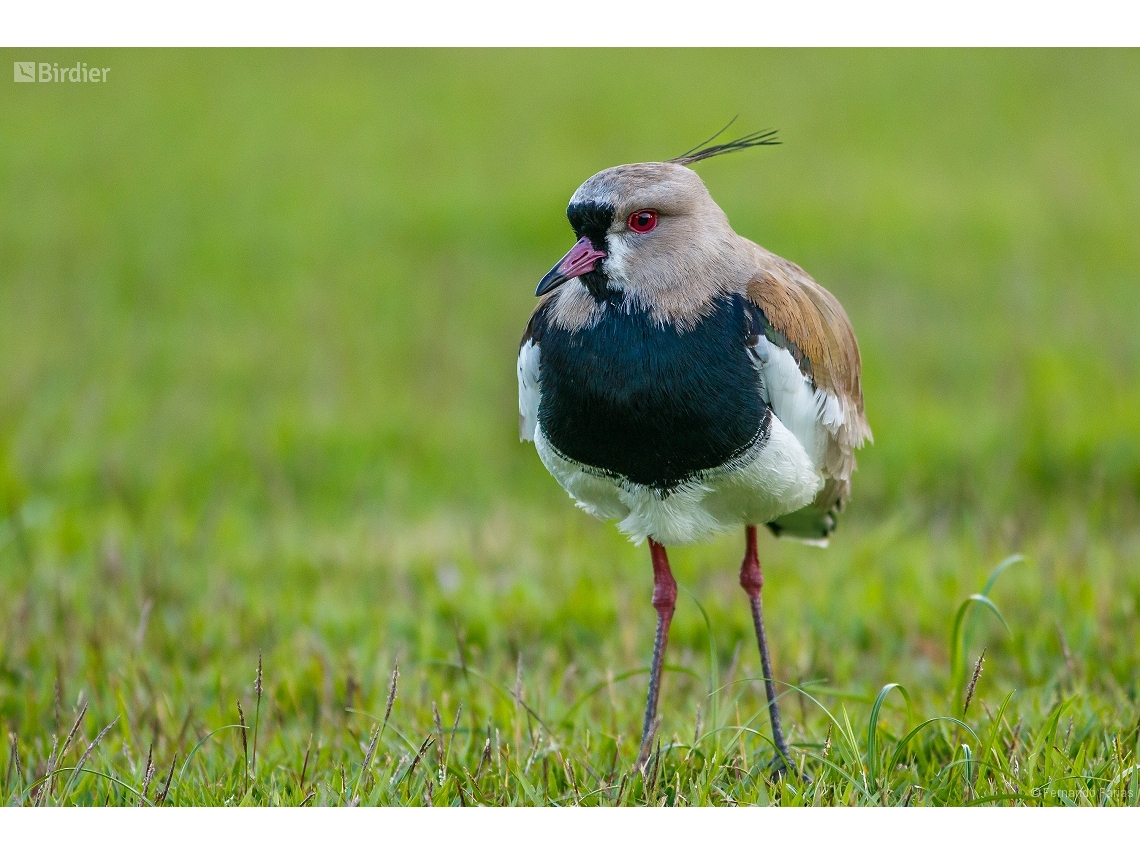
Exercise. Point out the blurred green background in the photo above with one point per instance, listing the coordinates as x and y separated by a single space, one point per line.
259 313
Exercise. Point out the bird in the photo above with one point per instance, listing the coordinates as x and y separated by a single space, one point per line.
684 381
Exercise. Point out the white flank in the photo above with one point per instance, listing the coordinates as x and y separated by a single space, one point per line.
802 408
527 369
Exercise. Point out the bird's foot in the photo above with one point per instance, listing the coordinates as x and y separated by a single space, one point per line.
645 752
782 766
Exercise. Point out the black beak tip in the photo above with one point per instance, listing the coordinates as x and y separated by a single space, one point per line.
549 282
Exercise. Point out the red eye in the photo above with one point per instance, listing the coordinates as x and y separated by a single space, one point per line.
642 221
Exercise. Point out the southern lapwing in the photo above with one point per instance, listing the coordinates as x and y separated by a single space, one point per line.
684 381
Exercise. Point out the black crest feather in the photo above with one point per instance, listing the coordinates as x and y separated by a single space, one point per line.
703 151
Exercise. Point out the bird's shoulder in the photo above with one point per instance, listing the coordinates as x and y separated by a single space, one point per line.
801 316
528 367
806 351
535 324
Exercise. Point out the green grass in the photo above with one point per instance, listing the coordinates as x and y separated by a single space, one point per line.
258 321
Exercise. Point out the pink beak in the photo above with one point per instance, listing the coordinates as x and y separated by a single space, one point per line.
582 258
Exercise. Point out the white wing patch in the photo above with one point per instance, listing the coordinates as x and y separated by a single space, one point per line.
528 390
812 415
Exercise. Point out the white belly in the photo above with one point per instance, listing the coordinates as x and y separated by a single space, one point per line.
765 483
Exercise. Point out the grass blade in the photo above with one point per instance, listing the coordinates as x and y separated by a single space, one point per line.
873 730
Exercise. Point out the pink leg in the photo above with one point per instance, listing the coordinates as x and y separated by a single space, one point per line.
752 580
664 599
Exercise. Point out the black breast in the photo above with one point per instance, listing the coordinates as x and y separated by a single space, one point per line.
651 403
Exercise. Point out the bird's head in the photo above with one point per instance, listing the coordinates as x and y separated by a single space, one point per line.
649 232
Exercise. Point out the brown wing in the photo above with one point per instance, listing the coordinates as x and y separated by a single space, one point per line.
813 322
809 322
